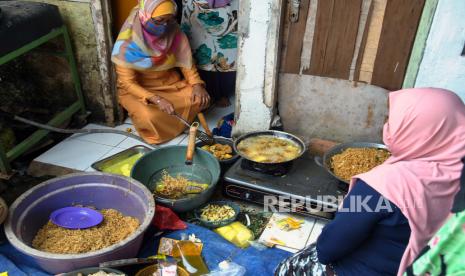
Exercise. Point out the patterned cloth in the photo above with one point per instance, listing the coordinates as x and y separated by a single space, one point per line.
218 3
139 48
224 126
445 254
212 33
303 263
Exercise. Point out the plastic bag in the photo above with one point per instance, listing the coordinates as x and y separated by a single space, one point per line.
236 233
226 268
166 219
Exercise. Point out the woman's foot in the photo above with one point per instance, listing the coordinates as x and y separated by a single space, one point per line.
223 102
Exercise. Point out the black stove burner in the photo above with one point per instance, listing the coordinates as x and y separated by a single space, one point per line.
305 182
269 169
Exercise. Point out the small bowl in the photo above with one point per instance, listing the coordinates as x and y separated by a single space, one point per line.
223 141
221 223
93 270
148 271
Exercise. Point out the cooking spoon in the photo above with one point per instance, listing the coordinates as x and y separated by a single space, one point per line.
204 137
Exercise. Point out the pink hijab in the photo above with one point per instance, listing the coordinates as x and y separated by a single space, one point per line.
426 136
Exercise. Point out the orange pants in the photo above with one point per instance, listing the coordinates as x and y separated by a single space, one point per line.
152 124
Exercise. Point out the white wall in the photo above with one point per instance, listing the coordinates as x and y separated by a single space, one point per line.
442 65
259 23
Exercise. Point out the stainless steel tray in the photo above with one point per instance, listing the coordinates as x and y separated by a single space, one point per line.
99 165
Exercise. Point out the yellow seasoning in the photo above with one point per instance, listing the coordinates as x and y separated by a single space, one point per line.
4 273
278 241
288 224
156 257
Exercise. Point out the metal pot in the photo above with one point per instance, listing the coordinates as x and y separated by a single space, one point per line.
325 161
275 133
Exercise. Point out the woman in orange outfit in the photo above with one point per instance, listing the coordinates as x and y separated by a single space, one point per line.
156 75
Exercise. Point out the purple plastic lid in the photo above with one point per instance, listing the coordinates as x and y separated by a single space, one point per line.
213 4
76 217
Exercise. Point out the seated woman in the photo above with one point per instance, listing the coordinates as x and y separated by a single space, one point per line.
392 211
148 53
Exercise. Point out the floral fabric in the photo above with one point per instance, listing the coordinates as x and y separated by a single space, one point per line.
212 33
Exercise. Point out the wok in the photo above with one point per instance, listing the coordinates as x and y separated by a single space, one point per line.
325 161
275 133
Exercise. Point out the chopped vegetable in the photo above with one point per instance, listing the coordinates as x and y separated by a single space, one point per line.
177 187
288 224
215 213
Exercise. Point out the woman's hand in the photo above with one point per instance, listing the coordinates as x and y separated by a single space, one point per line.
200 95
163 104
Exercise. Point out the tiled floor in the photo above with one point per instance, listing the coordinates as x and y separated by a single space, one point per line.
79 151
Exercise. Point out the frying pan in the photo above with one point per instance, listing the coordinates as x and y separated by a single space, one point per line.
325 161
274 133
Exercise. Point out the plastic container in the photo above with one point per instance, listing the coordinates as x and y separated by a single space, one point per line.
102 191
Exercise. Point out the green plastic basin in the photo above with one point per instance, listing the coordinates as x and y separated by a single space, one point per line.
151 164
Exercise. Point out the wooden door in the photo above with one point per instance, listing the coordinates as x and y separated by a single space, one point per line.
335 46
120 11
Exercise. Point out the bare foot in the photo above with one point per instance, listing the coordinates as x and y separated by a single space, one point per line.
223 102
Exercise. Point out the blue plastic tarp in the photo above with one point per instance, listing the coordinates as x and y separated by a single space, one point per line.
215 250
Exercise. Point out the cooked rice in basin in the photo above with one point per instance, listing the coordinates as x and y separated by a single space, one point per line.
114 228
354 161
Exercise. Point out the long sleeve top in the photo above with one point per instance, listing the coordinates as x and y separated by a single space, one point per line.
359 242
145 84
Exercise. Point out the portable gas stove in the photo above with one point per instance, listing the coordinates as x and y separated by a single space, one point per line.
302 185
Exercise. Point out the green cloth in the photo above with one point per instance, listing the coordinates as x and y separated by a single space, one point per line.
445 254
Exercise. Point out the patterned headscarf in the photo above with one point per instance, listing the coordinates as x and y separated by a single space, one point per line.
138 48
